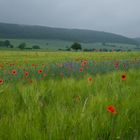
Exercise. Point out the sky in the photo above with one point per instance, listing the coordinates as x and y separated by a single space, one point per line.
115 16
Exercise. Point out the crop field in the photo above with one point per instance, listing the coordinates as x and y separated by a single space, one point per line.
69 95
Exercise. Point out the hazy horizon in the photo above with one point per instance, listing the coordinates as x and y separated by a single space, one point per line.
114 16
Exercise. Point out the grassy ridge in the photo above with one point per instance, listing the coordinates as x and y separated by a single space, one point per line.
70 108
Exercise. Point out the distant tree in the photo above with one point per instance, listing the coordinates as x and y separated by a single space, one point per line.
76 46
36 47
129 50
11 46
22 46
7 43
1 43
85 50
105 50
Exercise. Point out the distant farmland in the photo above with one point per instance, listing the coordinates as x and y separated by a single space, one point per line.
53 45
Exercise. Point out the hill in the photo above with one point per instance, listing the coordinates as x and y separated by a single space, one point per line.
137 39
15 31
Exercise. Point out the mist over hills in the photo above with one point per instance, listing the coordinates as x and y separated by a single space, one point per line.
137 39
16 31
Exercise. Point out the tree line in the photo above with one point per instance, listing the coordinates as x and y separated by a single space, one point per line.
22 46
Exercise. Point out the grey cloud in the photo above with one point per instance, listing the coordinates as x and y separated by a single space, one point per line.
116 16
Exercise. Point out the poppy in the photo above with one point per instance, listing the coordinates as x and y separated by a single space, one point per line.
1 81
111 109
123 77
40 71
90 79
14 72
81 69
26 74
85 62
82 64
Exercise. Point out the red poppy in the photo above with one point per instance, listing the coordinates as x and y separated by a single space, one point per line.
82 64
90 79
111 109
81 69
14 72
124 77
85 62
26 74
40 71
1 81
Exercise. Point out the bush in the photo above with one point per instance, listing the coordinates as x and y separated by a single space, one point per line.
36 47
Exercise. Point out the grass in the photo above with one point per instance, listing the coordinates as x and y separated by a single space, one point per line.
69 107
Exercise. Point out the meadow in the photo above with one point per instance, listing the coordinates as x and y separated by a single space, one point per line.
69 95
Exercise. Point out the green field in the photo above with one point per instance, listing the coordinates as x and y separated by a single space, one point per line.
53 45
67 95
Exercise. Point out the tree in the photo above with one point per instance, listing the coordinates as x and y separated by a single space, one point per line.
76 46
36 47
11 46
7 43
22 46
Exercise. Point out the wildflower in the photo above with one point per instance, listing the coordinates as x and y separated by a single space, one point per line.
81 70
26 74
82 64
40 71
85 62
1 81
111 109
14 72
90 79
124 77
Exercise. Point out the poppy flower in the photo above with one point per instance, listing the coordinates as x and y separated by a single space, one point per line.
26 74
85 62
90 79
81 70
82 64
14 72
111 109
123 77
1 81
40 71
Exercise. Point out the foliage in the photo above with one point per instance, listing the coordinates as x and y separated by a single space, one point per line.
36 47
22 46
76 46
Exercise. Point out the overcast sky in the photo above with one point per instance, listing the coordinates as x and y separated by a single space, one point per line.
116 16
